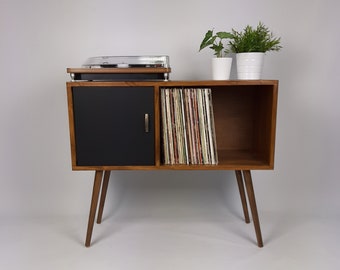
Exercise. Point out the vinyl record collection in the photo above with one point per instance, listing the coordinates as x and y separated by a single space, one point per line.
188 131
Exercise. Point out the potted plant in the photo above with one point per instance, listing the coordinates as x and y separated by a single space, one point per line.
250 46
221 65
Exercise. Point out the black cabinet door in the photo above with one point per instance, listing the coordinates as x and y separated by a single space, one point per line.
114 125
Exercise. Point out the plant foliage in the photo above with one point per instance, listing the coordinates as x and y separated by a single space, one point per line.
258 39
215 42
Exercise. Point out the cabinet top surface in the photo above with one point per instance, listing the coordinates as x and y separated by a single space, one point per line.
179 83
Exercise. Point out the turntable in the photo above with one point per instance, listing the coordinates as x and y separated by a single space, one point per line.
123 68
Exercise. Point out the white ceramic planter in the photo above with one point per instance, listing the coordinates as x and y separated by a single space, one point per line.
249 65
221 67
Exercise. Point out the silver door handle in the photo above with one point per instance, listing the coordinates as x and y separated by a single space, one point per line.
146 122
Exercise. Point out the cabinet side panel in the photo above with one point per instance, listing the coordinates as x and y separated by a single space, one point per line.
266 123
71 123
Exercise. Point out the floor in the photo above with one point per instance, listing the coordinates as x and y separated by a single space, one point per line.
156 241
170 225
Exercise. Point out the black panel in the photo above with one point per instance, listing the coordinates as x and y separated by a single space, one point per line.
109 126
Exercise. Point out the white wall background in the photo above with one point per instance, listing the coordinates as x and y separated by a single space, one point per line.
39 39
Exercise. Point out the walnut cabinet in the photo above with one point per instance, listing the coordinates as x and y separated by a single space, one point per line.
117 126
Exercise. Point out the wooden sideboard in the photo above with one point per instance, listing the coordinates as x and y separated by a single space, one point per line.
117 125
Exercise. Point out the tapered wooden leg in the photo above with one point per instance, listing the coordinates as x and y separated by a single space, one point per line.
94 202
103 196
253 208
242 195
